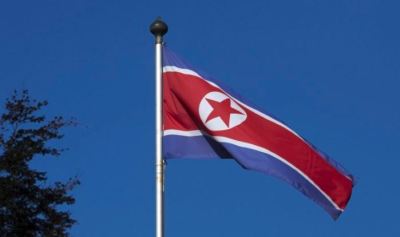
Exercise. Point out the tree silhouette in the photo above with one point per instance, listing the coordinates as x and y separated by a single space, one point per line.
29 207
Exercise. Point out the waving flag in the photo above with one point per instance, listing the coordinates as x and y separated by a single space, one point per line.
202 120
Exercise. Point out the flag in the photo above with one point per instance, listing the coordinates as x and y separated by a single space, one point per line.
202 120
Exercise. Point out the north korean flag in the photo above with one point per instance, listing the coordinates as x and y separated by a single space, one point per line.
201 120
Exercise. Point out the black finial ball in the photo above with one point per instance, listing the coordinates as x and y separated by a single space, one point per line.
158 27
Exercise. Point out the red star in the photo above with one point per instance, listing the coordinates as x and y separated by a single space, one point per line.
222 109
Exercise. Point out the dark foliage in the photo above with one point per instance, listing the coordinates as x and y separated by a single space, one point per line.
28 206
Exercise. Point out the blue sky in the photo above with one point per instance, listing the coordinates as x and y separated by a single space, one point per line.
329 69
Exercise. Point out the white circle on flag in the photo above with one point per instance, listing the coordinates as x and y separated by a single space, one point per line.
219 112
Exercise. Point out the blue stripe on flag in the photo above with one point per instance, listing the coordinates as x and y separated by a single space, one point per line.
204 147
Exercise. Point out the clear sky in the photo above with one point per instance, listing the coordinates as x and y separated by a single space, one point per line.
329 69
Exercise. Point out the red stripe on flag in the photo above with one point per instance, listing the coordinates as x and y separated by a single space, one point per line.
182 96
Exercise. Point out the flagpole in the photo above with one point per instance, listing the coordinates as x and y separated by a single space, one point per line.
158 28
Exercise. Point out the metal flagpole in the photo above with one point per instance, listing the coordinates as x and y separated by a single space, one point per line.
158 28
